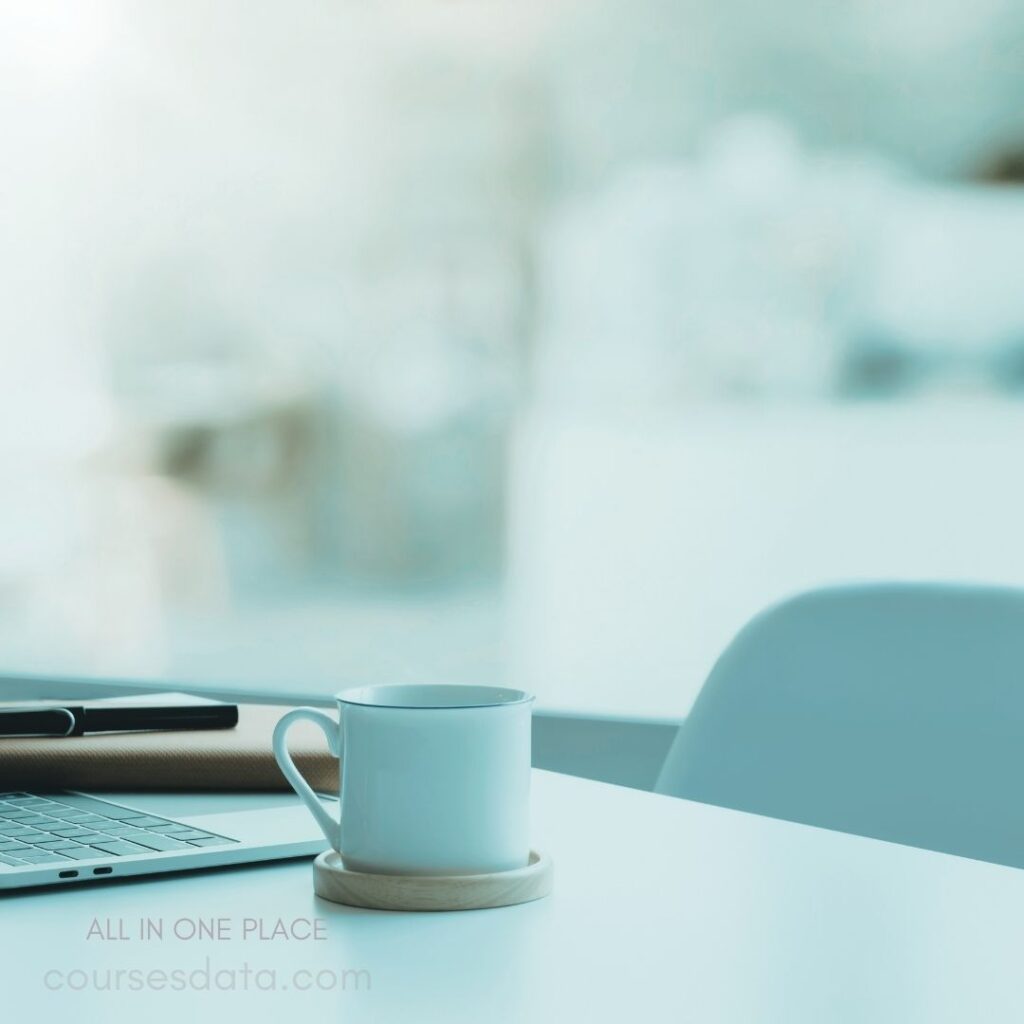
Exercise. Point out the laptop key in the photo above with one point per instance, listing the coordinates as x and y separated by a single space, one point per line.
10 845
65 812
136 835
86 805
56 844
208 841
145 821
10 861
82 853
81 818
120 848
80 804
117 813
188 834
154 841
27 835
41 823
41 856
72 832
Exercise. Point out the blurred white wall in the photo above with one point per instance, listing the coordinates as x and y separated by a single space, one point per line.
278 282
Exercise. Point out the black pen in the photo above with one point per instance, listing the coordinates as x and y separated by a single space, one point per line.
77 720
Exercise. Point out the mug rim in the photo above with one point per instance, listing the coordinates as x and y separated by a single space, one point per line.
454 697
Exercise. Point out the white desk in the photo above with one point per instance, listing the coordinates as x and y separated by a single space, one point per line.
663 910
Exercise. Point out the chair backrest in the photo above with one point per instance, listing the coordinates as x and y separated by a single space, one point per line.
890 710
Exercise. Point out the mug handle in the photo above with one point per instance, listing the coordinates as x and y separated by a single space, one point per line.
330 828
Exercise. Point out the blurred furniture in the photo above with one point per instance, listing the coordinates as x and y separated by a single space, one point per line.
236 443
640 544
623 750
892 710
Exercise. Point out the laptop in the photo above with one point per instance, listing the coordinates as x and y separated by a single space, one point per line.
67 837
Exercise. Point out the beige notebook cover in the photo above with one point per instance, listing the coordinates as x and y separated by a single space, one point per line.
204 759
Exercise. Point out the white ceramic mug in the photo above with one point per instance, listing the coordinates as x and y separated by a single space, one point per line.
435 780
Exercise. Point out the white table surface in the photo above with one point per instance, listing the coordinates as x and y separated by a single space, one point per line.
663 910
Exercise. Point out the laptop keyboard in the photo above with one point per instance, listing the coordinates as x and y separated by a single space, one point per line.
65 827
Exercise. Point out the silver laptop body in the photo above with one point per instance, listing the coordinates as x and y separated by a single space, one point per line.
68 837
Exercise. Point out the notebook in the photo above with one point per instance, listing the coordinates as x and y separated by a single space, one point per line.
210 759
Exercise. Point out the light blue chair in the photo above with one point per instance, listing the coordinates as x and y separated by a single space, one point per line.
891 710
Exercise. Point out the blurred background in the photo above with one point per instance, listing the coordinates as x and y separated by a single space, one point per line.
539 343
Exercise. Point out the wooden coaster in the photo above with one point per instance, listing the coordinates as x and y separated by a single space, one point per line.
331 881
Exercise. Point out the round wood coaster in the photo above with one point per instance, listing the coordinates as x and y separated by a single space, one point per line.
331 881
